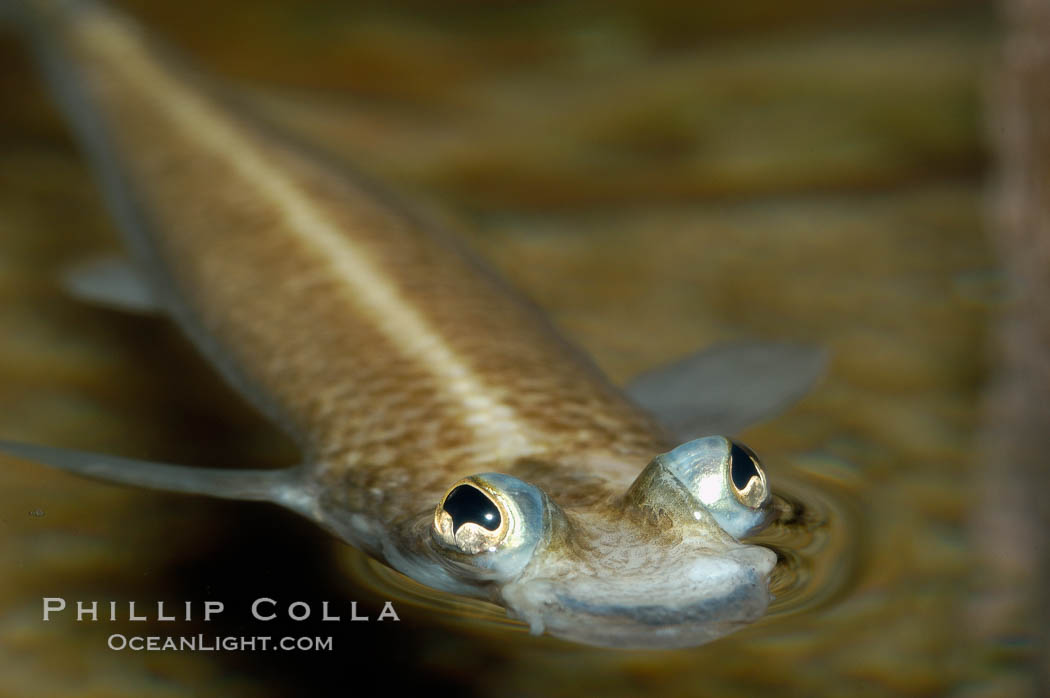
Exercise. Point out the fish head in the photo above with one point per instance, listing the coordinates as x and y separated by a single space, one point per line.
659 566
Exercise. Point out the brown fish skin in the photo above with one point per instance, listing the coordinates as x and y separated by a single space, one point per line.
401 366
398 362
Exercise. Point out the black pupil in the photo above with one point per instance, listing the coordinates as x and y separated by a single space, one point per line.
467 504
741 466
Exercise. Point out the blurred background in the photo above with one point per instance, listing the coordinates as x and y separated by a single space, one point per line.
861 175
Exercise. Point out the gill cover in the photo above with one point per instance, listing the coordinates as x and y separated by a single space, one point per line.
489 525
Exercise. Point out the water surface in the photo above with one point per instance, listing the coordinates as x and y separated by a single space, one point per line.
658 180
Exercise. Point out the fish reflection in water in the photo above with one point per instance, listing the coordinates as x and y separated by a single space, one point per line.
446 428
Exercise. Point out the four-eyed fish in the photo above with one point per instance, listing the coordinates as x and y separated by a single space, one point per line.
445 427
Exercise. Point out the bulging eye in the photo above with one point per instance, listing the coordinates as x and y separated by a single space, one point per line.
726 478
470 520
749 482
490 523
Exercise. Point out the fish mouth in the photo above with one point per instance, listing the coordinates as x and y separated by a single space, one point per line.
658 567
692 603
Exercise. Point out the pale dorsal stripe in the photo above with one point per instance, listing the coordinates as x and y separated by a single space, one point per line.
494 423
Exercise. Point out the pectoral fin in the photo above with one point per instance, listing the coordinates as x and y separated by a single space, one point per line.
112 282
288 487
725 388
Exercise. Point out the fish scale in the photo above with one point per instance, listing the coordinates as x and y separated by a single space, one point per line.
413 379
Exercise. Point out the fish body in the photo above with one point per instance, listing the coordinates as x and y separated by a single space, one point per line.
445 426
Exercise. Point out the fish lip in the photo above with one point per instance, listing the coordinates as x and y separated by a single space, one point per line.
611 613
662 615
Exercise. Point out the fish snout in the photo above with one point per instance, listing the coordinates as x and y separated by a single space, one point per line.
691 599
